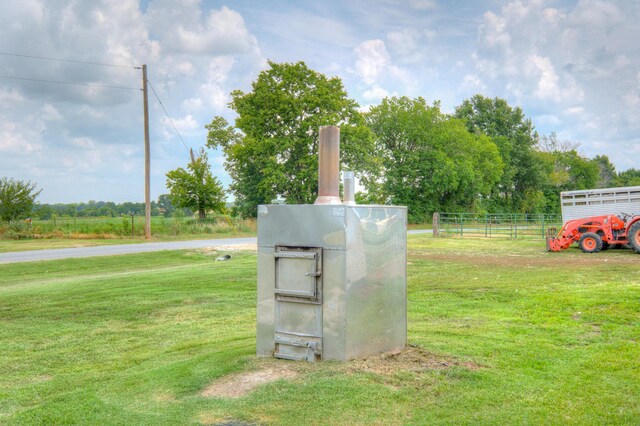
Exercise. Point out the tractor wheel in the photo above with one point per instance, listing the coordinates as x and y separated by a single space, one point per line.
590 242
634 236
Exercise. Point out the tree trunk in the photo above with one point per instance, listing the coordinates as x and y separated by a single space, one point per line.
202 214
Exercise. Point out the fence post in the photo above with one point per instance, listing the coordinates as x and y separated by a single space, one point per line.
485 226
461 225
435 226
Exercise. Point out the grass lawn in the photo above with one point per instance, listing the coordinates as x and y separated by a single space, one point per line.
502 332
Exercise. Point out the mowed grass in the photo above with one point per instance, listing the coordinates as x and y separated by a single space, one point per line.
531 338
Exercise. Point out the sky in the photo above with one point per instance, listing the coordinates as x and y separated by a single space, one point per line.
572 66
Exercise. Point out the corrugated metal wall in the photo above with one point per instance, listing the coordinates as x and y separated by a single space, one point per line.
596 202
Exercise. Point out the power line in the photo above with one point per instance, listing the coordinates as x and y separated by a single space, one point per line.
167 114
104 86
100 64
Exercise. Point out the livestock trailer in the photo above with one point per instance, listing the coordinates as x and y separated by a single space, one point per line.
599 202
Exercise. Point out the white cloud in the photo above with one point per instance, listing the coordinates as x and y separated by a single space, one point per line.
182 27
50 113
412 46
493 32
552 16
579 58
83 142
423 4
376 71
195 55
10 97
547 87
375 93
575 111
12 142
371 60
472 82
184 125
192 104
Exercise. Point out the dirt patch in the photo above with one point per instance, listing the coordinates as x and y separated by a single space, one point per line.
267 370
238 385
412 359
521 261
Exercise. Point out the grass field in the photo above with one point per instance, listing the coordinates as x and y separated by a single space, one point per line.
102 228
95 231
502 332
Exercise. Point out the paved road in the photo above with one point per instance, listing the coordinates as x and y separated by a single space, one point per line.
65 253
28 256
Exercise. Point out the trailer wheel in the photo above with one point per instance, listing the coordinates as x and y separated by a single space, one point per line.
590 242
634 237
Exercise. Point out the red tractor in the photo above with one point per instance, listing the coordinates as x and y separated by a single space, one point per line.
597 233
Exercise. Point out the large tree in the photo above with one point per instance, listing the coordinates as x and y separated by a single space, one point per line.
196 188
565 169
272 149
515 137
430 161
607 171
17 199
630 177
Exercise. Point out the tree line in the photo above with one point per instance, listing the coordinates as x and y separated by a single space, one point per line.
485 157
161 207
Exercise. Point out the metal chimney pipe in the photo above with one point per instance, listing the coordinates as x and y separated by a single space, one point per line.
349 184
328 166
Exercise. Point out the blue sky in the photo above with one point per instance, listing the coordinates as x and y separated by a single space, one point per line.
572 66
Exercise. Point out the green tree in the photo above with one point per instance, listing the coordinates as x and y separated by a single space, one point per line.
272 149
513 133
17 199
430 161
607 171
165 205
196 188
629 177
43 211
566 171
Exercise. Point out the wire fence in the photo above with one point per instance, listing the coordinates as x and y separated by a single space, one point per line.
511 226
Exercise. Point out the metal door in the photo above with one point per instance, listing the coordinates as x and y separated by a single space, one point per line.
298 304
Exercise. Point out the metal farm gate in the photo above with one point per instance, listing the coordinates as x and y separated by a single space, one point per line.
510 226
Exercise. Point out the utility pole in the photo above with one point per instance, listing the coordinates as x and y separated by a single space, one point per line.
147 162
